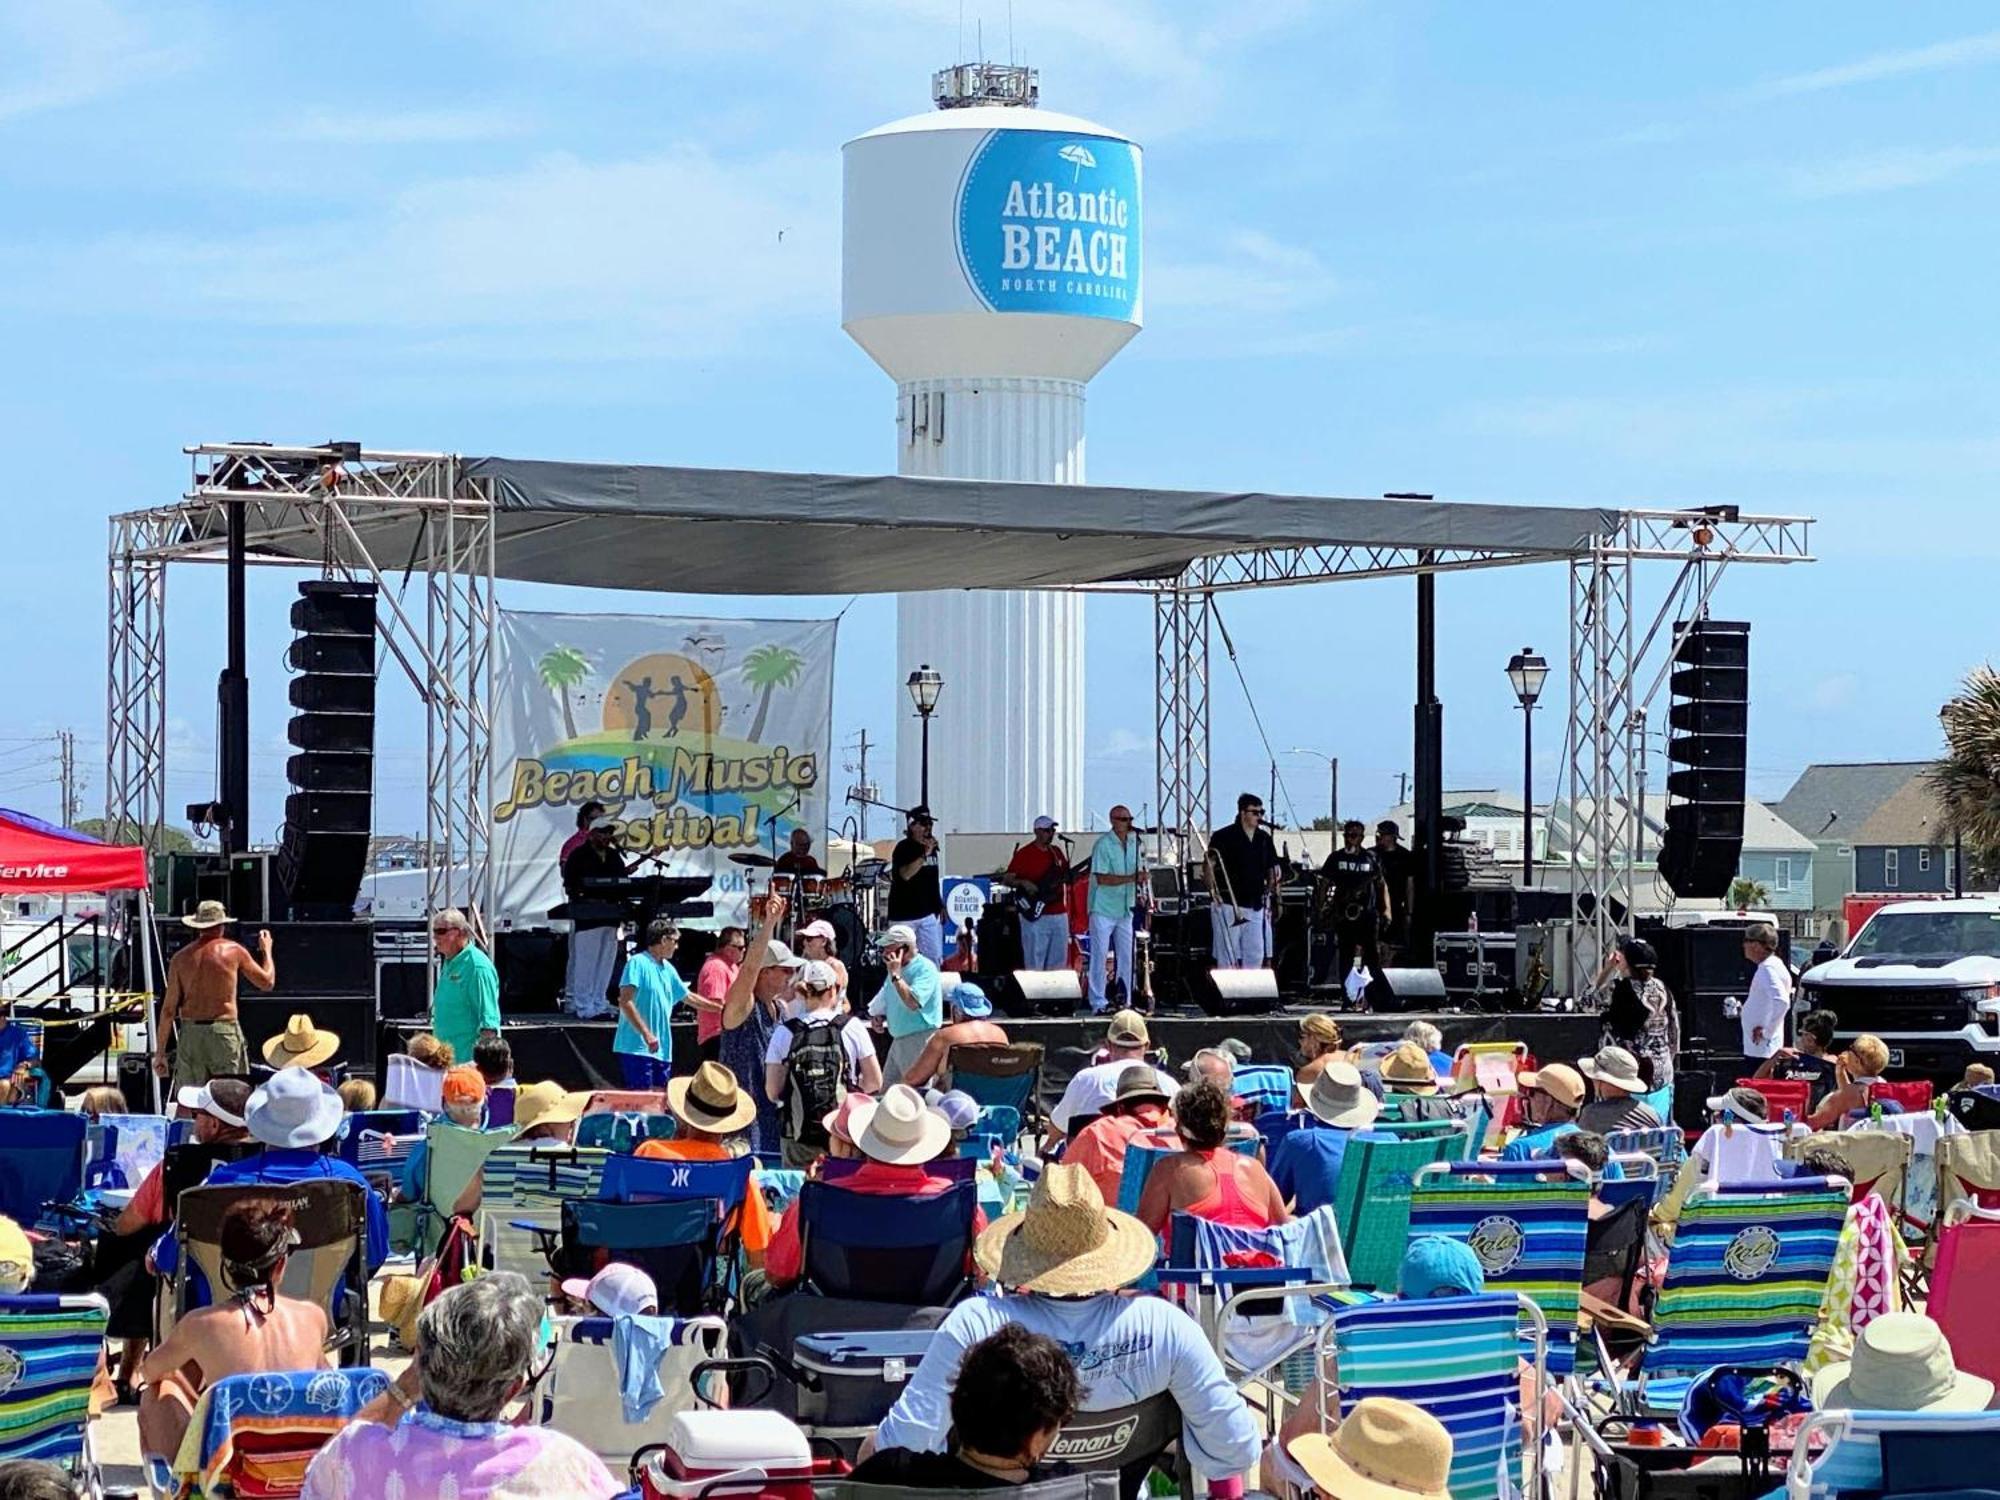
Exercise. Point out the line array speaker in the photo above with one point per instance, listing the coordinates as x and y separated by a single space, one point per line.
1709 724
323 851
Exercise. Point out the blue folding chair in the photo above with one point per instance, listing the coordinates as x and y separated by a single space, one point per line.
41 1162
632 1179
50 1347
1266 1087
1008 1073
1273 1125
406 1124
1838 1453
1664 1144
869 1248
674 1241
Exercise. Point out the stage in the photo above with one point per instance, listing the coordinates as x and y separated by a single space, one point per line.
578 1054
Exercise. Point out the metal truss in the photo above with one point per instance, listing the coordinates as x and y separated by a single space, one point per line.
1180 662
135 705
1280 565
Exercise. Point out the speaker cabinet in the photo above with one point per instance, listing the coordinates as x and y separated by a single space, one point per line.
323 851
1237 992
1408 989
1039 992
1709 726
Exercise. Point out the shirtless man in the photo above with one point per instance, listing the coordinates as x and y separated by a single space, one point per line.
201 995
971 1022
253 1331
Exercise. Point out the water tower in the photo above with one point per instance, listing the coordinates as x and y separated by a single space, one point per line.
990 264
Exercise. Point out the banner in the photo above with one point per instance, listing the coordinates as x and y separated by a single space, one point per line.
704 738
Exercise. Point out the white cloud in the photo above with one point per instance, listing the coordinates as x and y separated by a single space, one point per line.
421 127
1249 274
1122 743
1887 171
1963 52
72 51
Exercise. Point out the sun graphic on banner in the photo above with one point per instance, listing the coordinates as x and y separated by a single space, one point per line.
661 695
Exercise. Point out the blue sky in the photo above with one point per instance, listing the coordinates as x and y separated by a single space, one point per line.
1562 253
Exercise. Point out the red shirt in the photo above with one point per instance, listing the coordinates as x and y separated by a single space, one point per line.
1099 1148
712 983
1033 862
784 1261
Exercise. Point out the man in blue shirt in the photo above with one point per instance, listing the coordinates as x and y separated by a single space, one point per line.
913 998
1551 1097
293 1115
647 994
19 1051
1306 1165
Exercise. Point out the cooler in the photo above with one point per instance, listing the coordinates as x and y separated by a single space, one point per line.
755 1452
850 1380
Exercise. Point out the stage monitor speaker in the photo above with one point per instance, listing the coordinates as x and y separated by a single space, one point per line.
350 1018
1237 992
402 989
1709 727
323 851
1408 989
1040 992
531 961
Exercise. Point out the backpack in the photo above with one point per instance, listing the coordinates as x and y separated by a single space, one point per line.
815 1078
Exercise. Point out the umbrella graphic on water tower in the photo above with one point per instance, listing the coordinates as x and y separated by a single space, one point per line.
1079 157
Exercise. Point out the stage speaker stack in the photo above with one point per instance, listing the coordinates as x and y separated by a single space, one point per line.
1408 989
1709 724
323 851
1039 992
1237 992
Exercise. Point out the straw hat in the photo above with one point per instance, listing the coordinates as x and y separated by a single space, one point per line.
1385 1450
546 1103
899 1129
711 1099
1559 1081
1615 1066
301 1045
1066 1243
17 1257
1902 1362
1338 1097
208 914
1409 1067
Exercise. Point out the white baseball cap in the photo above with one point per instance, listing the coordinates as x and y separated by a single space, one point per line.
900 935
817 975
616 1291
778 956
1044 821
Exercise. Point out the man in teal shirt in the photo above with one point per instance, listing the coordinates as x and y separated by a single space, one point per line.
912 998
647 994
466 1003
1114 890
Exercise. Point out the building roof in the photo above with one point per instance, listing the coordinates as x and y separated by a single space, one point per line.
1912 816
1764 832
1845 793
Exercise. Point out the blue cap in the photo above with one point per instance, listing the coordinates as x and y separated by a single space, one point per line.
1434 1266
972 1001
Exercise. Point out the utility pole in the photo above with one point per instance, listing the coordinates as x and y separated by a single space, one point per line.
862 791
66 753
1402 787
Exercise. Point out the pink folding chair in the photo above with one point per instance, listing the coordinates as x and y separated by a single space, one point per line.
1961 1294
1495 1068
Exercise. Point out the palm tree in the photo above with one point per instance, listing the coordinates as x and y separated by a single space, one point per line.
767 669
1967 780
562 668
1745 893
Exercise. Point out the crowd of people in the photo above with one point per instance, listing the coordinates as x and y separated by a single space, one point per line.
865 1105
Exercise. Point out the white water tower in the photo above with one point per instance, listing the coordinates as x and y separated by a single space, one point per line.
991 265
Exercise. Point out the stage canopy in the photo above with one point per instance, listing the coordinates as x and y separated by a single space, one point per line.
734 531
38 856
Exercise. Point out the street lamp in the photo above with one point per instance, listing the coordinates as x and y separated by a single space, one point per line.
924 686
1527 671
1332 785
1957 838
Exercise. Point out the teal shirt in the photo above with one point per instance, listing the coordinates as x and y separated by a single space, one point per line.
928 986
1109 857
656 990
466 1001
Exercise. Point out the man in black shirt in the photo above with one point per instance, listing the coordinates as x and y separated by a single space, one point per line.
915 897
1399 874
593 941
1243 870
1356 904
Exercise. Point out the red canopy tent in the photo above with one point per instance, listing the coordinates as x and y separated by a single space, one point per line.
38 856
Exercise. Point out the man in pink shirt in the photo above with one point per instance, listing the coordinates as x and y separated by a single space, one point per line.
585 815
711 988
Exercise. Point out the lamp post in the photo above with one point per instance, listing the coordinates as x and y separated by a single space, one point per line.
924 686
1527 671
1332 785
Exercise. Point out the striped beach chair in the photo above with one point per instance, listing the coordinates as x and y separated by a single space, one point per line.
1530 1234
1460 1359
1665 1144
1840 1452
49 1352
1372 1200
1743 1286
522 1189
257 1434
1266 1087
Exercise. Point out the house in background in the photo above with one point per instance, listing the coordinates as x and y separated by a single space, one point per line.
1830 804
1903 848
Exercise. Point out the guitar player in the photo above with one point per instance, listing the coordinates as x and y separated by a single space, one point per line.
1040 872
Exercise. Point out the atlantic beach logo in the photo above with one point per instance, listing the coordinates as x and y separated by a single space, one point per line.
1751 1253
1498 1241
1050 224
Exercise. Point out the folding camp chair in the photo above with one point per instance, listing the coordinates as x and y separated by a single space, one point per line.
625 1102
256 1434
1372 1200
1459 1358
1914 1094
454 1156
408 1084
1459 1138
327 1267
139 1144
1743 1286
41 1162
361 1144
997 1125
1126 1441
999 1073
1265 1087
621 1131
1531 1234
50 1347
522 1189
1880 1160
1665 1144
580 1394
1495 1067
1961 1288
1968 1167
869 1248
1838 1453
1274 1125
677 1243
1784 1098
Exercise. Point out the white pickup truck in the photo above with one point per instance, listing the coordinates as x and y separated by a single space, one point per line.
1925 977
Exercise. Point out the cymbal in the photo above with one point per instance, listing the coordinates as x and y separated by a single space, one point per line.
760 861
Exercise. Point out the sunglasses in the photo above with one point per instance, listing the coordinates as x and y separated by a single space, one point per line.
1255 812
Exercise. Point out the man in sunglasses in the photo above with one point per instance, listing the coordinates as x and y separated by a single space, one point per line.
1115 874
1243 871
466 1003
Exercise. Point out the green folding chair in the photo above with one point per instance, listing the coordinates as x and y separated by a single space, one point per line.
1371 1200
455 1154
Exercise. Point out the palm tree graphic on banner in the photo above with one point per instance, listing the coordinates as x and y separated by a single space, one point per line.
562 668
767 669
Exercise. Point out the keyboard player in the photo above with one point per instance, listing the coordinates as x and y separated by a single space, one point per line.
593 941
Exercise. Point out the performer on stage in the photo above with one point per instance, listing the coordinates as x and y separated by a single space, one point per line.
1117 871
593 941
587 814
1039 871
1243 872
915 896
798 859
1399 873
1357 900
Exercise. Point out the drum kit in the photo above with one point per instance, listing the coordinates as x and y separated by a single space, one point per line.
846 902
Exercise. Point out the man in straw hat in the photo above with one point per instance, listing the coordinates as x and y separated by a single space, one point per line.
1099 1148
1409 1070
293 1115
1615 1072
201 997
301 1045
1384 1449
1090 1089
1070 1258
1306 1164
709 1107
1551 1097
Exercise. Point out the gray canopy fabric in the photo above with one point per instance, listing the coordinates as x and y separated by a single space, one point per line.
736 531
